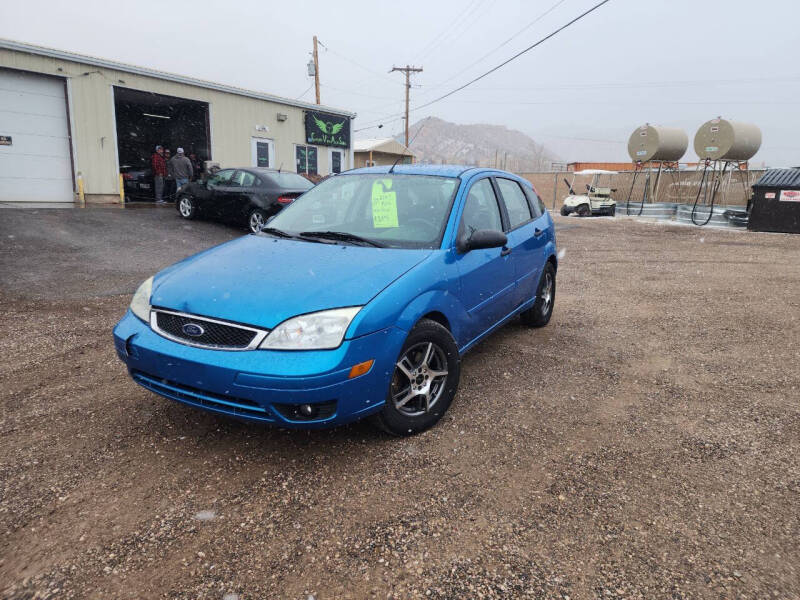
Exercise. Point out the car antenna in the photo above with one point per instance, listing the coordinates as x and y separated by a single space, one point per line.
391 170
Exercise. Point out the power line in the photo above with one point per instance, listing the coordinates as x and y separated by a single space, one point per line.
466 25
623 85
449 27
358 64
306 91
496 48
517 55
501 65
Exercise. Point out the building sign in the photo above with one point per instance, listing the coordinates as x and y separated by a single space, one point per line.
790 196
325 129
5 140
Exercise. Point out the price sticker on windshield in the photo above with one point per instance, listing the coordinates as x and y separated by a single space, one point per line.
384 205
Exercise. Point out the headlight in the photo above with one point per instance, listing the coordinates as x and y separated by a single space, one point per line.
140 305
314 331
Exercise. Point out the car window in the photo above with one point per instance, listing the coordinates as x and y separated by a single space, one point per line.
244 179
536 202
516 203
221 177
480 209
290 180
401 211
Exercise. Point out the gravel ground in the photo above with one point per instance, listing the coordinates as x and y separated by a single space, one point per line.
643 445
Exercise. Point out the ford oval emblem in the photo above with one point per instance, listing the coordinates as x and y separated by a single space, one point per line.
193 329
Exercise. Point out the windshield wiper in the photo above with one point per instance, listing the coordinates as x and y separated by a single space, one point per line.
276 232
343 236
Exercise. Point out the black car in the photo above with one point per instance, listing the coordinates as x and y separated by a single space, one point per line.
241 196
138 181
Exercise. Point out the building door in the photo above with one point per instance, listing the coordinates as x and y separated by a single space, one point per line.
35 154
336 160
263 152
306 159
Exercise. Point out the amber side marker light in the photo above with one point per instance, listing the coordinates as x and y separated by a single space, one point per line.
361 368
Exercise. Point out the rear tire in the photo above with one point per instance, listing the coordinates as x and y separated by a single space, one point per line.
256 220
187 207
539 314
424 382
613 212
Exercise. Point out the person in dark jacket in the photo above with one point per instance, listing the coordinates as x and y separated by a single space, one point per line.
197 165
169 182
181 168
159 164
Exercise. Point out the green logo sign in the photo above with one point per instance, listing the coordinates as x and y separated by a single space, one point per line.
323 129
329 128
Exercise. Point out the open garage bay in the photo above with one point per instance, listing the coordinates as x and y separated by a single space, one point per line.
643 445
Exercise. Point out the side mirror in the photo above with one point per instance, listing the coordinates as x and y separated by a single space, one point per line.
483 238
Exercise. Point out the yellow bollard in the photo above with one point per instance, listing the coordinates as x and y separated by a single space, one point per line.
80 189
121 190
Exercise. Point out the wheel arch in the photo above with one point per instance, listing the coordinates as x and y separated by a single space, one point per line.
439 317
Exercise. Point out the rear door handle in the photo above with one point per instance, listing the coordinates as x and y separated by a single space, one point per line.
506 251
537 232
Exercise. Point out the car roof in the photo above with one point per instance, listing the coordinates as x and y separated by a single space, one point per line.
418 169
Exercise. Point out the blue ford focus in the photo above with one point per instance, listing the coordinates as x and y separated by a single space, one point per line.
358 299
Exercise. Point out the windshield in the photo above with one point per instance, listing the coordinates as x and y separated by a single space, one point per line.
400 211
290 180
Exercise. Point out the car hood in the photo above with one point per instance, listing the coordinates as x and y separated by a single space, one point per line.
263 281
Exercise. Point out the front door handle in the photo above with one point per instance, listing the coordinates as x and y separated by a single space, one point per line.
537 232
505 251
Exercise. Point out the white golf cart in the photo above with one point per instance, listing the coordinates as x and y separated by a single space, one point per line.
596 201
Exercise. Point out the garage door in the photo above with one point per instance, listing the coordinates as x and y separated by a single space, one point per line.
35 164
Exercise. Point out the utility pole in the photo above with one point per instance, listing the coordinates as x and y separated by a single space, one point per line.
407 70
316 69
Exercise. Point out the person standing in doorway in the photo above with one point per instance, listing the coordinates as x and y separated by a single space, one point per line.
197 165
159 164
169 183
181 168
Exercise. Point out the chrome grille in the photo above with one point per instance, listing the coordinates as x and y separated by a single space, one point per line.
204 332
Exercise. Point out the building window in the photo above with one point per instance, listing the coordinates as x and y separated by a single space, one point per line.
336 161
306 158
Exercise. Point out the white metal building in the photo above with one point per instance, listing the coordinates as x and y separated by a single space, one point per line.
61 118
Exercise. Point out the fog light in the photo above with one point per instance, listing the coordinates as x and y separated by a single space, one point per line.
307 410
361 368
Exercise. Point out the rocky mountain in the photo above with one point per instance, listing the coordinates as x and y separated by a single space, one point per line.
438 141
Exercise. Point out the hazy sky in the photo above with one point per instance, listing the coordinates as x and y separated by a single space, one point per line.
676 62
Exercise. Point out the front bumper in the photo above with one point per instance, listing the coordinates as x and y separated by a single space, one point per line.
263 385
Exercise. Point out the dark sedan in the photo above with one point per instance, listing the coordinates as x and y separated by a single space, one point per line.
241 196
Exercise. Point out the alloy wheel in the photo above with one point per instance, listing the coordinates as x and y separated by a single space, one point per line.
547 292
185 207
256 221
419 379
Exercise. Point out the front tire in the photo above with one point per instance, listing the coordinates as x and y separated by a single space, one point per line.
584 210
539 314
564 211
424 382
256 220
187 207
